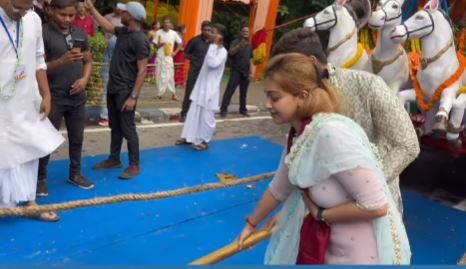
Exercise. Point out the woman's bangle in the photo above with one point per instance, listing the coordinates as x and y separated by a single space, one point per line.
250 223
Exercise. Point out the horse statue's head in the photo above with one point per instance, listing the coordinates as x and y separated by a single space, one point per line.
387 14
423 23
342 12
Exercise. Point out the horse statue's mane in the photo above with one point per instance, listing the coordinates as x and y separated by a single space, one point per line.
360 11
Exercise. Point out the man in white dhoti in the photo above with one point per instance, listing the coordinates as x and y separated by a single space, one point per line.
165 40
199 126
26 134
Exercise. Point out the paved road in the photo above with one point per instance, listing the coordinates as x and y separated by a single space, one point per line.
97 139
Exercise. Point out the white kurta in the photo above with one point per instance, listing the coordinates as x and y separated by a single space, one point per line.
24 137
200 122
165 67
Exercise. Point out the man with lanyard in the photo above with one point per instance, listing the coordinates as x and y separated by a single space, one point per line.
69 68
195 52
127 73
26 134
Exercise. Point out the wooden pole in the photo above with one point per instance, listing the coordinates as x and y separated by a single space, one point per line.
232 249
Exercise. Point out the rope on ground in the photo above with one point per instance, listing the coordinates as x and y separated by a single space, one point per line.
35 210
232 248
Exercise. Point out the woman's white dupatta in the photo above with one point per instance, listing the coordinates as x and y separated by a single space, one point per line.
330 144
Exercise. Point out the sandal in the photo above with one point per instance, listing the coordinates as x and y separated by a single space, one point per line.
45 217
182 141
201 147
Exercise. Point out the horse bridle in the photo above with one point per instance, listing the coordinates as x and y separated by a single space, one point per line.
346 38
408 33
327 21
386 15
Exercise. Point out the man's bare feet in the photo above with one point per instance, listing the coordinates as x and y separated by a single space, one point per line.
44 216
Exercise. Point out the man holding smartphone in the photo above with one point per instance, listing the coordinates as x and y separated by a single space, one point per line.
69 67
241 54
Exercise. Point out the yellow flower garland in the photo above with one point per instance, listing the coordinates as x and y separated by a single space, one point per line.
355 59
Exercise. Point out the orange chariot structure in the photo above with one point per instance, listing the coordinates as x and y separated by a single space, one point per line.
263 14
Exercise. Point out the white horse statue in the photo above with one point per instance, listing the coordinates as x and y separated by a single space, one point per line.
389 59
343 49
439 64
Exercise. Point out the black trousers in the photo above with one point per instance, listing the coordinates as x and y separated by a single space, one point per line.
122 125
75 117
236 78
191 81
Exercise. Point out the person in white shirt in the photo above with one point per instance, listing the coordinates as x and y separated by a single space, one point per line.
199 126
164 41
25 102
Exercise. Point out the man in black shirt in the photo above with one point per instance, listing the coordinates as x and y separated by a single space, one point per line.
195 52
241 54
126 78
69 67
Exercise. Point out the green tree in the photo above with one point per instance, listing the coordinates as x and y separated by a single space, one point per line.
232 22
292 9
98 45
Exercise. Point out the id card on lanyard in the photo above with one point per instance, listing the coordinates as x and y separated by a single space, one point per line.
20 71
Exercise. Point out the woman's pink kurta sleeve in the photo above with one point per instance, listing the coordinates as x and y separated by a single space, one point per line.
364 187
280 187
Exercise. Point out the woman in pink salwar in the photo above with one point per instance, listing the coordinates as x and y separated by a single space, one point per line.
330 169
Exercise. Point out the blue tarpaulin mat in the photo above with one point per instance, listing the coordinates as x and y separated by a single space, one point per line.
178 230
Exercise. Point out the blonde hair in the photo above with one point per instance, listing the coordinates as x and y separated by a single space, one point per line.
295 72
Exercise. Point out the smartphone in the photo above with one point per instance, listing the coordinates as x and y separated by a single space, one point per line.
78 45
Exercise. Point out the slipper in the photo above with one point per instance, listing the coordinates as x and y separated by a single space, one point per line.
201 147
182 142
43 217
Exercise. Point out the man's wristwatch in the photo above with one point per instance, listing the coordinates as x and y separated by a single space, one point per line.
134 96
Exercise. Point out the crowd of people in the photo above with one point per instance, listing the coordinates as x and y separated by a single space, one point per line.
350 137
65 58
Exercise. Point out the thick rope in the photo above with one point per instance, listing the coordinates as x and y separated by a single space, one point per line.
35 210
232 249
